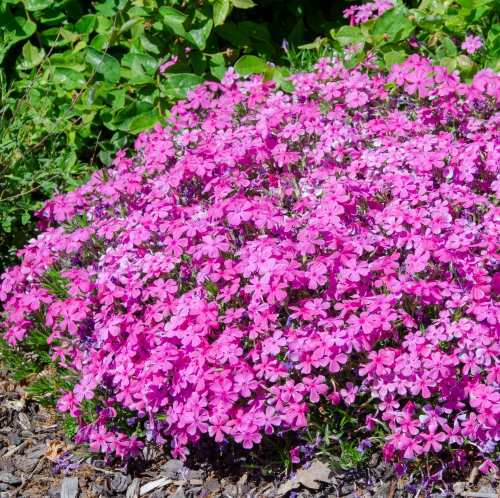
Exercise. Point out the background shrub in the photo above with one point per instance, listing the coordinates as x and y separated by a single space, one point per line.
79 79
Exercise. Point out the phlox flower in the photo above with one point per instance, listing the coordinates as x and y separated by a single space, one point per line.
471 44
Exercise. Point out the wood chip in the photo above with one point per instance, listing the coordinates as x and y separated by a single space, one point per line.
151 486
13 451
69 488
24 421
479 495
133 489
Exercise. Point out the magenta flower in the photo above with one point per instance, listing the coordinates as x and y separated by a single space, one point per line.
471 44
101 439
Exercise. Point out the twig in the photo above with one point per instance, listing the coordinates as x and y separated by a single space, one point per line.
16 449
95 150
28 191
393 489
32 83
101 470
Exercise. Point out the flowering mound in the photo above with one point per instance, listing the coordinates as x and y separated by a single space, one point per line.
265 254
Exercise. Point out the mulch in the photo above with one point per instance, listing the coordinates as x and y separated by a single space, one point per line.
31 436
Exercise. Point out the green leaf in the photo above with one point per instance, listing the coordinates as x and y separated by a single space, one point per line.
392 21
449 63
49 37
126 115
148 63
100 42
173 19
450 47
5 15
86 24
286 85
25 218
348 35
249 64
144 122
150 43
68 35
94 91
464 62
52 17
255 30
115 98
171 15
109 67
221 11
198 62
198 37
181 84
296 37
466 4
21 28
233 34
315 45
243 4
317 21
130 24
32 5
107 8
32 56
139 11
136 67
68 77
218 70
392 58
141 79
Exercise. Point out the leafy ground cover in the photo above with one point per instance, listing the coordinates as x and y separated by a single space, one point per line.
80 79
461 35
321 263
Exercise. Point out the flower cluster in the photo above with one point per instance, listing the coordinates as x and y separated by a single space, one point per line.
358 14
265 253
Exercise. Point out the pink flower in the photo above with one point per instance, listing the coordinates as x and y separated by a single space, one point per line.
101 439
349 394
433 440
295 454
420 80
471 44
248 436
356 99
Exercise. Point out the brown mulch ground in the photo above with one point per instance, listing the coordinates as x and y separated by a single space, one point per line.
30 436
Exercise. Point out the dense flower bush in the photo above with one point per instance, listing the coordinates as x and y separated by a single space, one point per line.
265 253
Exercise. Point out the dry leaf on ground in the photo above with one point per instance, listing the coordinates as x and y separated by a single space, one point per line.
55 450
318 471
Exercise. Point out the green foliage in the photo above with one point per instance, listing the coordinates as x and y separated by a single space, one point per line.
30 362
435 29
78 79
